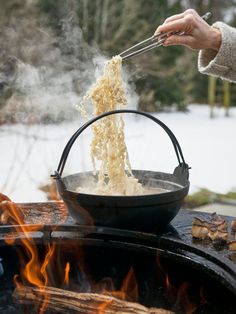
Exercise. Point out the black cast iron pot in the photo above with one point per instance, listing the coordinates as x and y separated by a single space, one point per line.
142 212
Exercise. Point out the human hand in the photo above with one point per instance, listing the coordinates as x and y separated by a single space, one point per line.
197 33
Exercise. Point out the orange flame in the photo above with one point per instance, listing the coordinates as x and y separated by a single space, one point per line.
183 299
171 291
168 285
180 296
102 307
9 241
48 257
129 287
67 271
128 291
43 271
34 271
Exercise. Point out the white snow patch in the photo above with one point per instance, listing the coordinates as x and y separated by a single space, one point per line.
29 154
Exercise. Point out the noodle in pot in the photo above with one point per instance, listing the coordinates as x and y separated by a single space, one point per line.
108 143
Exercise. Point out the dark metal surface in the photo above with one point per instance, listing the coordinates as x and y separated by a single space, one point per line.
110 253
142 213
108 262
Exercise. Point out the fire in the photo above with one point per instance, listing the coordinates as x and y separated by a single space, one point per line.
67 271
48 257
168 285
127 292
129 288
102 307
9 241
37 271
180 294
34 271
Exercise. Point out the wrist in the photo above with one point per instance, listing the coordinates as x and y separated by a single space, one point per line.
216 39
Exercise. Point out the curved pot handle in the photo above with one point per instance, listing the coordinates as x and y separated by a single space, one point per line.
182 164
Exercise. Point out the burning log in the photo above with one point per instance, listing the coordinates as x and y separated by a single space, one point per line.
63 301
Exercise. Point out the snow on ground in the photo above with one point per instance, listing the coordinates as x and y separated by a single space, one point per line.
29 154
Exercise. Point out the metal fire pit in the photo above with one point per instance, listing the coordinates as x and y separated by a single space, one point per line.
142 212
209 269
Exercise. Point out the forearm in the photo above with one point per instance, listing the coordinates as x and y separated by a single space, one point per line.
223 62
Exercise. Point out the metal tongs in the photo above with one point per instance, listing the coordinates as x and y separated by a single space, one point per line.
152 42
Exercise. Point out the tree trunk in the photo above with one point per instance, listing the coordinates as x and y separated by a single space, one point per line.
226 97
104 19
211 94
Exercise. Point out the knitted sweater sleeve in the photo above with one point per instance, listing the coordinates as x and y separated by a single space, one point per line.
222 64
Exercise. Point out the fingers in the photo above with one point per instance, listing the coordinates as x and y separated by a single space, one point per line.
169 19
174 17
182 25
185 40
163 28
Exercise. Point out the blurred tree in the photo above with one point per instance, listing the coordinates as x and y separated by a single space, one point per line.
115 25
75 30
164 76
22 37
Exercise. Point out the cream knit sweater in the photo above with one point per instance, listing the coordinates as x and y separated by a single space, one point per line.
222 64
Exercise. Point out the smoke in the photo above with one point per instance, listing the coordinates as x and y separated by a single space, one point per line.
51 72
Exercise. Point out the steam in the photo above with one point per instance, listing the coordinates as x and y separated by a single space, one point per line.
53 73
48 93
132 96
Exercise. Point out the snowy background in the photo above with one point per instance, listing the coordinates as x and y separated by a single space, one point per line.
29 154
